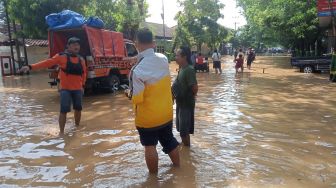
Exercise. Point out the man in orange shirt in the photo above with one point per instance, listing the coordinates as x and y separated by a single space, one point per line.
72 79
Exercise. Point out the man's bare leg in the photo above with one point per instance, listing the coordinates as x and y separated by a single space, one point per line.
186 140
62 121
78 115
175 157
152 159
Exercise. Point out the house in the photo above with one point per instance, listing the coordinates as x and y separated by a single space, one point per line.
37 49
164 43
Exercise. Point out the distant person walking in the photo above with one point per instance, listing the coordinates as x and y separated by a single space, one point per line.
239 63
193 59
150 92
235 53
333 68
216 57
240 52
250 58
72 79
185 101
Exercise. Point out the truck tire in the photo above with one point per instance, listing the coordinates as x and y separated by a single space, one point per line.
308 69
113 83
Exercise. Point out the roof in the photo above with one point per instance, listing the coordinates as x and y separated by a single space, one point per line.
158 29
36 42
4 39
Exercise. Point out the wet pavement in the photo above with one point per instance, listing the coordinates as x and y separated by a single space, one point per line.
276 129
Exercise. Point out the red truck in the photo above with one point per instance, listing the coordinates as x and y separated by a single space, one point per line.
108 56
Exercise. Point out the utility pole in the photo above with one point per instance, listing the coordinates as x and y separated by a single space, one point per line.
163 26
332 15
235 32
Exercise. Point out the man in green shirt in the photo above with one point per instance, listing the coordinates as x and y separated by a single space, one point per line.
188 90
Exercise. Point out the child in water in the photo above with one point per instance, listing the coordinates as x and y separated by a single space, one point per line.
239 63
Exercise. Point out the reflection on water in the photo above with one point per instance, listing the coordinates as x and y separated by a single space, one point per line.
252 130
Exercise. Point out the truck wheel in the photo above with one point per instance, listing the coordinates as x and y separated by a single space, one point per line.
113 83
308 69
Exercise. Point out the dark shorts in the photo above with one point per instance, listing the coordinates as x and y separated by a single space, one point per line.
71 96
185 120
162 134
249 63
216 64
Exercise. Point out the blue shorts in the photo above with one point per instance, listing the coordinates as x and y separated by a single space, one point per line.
162 134
71 96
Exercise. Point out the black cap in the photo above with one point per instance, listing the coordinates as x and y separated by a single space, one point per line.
73 40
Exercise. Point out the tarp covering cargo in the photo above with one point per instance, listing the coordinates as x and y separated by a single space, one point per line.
65 19
68 19
94 42
94 21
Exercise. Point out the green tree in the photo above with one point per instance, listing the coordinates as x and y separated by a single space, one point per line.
31 13
197 23
121 15
2 13
290 23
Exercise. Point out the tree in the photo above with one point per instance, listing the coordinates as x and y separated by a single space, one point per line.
2 13
197 23
31 13
121 15
290 23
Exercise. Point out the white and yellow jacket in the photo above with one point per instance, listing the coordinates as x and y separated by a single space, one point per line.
151 90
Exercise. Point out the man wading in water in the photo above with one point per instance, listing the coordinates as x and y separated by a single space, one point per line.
151 96
185 102
72 79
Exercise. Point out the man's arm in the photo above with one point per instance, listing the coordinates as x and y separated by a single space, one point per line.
46 63
192 81
84 71
137 88
42 64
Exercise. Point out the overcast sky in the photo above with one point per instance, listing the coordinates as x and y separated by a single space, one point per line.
230 12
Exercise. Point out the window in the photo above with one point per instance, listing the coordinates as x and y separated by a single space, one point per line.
131 50
160 49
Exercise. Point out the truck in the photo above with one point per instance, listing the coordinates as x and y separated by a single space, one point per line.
312 64
108 56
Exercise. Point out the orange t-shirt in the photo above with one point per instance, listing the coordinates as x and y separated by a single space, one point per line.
67 81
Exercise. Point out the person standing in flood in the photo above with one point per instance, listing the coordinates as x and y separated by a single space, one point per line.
72 79
216 57
185 103
250 58
235 54
150 92
239 63
193 59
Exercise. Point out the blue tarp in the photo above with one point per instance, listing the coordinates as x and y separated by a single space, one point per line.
96 22
68 19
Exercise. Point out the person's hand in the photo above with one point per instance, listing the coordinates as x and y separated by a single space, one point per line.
127 92
24 69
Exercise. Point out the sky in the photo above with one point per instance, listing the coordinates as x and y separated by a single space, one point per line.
230 12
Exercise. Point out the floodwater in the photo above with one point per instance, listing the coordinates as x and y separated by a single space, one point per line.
276 129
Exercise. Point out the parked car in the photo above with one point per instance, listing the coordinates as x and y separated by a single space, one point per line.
108 56
312 64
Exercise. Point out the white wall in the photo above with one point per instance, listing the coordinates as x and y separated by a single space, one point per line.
36 54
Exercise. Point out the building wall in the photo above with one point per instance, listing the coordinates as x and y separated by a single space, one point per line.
36 54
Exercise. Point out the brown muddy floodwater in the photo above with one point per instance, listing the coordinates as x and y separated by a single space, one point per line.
276 129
